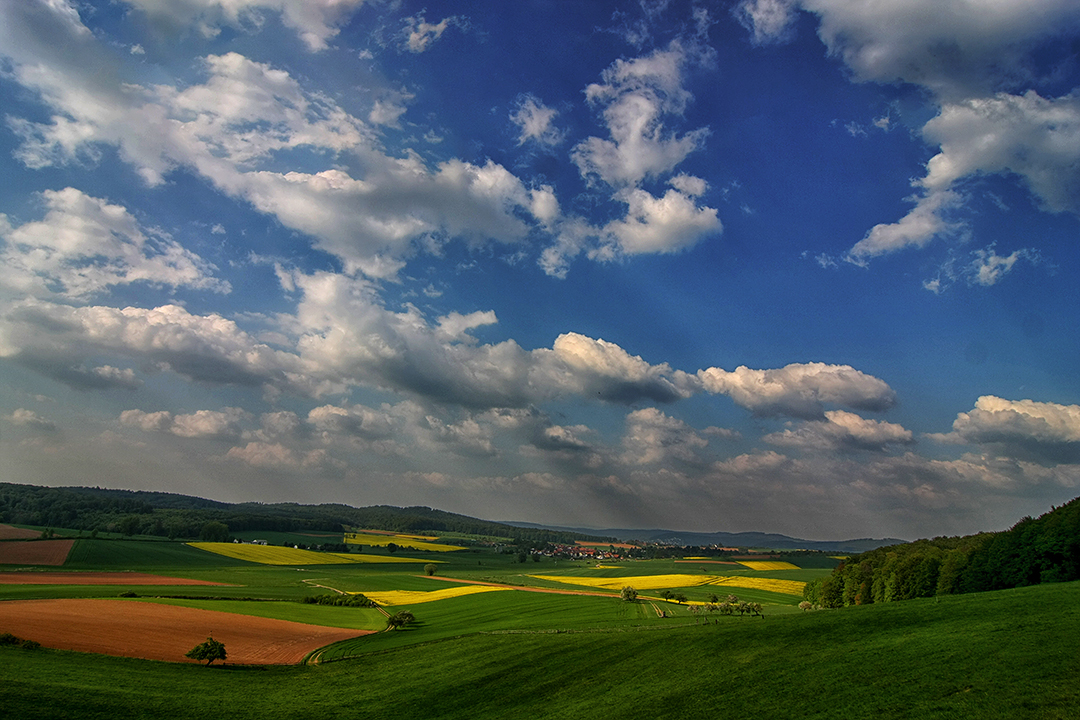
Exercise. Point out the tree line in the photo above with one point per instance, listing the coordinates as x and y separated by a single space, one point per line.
1033 551
181 516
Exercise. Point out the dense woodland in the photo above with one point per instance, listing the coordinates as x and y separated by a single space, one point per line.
1035 550
180 516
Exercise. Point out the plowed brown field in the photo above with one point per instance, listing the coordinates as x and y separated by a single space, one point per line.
7 532
150 631
39 552
95 578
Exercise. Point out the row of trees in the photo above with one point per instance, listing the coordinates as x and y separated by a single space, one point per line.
1035 550
730 606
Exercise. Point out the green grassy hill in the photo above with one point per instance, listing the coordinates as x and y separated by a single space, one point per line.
1002 654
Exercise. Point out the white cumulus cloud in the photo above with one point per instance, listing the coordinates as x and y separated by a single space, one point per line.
800 389
535 121
842 430
86 245
315 21
996 419
652 437
770 21
199 424
636 96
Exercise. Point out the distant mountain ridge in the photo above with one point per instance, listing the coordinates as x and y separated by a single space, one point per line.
175 515
725 539
140 512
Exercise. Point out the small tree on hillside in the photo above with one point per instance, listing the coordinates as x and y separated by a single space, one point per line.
628 594
209 651
399 619
431 568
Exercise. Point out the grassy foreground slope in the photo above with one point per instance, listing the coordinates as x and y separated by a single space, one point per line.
1004 654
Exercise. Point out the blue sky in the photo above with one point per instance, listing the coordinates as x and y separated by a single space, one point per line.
801 266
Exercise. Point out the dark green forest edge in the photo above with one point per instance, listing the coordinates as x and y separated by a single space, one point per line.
128 512
1033 551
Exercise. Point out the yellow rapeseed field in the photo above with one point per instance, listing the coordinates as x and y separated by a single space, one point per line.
409 540
273 555
658 582
638 582
788 587
768 565
413 597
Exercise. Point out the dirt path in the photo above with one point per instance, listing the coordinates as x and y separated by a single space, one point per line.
163 632
312 583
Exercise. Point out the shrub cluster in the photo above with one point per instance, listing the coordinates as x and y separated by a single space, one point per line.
356 600
9 639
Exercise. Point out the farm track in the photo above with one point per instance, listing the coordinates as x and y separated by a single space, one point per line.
152 631
312 583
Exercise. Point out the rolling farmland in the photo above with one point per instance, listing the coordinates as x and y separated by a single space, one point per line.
272 555
665 581
162 632
415 542
239 581
549 638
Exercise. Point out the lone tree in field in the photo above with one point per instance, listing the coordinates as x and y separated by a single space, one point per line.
431 568
399 619
209 651
628 594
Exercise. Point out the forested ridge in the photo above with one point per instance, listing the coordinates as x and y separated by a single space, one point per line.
1033 551
181 516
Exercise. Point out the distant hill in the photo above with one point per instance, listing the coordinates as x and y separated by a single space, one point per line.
133 512
726 539
139 512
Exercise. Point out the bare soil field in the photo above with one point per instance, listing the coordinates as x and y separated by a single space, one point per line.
7 532
39 552
95 578
129 628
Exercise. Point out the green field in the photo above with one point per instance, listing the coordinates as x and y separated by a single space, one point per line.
501 654
142 556
346 617
1007 654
